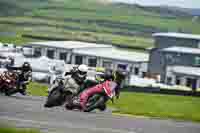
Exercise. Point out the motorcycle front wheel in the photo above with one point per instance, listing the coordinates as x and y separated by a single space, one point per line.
55 98
9 92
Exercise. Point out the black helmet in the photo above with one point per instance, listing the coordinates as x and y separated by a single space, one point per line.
108 74
26 66
119 75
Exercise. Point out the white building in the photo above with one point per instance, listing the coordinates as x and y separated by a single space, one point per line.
61 50
92 54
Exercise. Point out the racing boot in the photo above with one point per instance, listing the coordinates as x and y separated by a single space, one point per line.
23 92
74 104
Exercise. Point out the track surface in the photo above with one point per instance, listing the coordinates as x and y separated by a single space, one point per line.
29 112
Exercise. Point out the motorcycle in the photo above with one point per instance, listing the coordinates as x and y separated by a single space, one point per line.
56 96
97 100
7 82
59 95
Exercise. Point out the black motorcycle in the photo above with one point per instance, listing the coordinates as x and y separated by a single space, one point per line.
56 96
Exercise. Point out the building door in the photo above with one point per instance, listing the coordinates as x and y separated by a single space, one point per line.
178 80
192 83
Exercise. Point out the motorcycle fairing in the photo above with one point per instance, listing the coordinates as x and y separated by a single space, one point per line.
109 88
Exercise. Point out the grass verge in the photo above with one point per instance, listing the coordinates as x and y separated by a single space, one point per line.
6 129
37 89
160 106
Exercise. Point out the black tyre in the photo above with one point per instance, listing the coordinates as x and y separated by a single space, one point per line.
55 98
69 107
102 107
9 92
95 102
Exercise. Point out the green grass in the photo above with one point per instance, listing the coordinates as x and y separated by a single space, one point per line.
7 129
162 106
37 89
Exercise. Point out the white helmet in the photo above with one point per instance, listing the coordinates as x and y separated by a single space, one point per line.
83 69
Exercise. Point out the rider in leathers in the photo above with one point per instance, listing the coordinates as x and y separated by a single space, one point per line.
24 77
116 76
74 79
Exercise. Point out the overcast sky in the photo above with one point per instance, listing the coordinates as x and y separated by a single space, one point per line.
180 3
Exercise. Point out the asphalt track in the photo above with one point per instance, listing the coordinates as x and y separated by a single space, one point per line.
29 112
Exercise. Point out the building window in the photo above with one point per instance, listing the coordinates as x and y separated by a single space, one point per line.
78 60
170 58
37 52
197 61
92 62
188 82
107 64
50 53
144 74
178 81
199 44
136 70
122 66
169 80
63 56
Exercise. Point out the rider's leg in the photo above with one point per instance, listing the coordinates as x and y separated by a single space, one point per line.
23 89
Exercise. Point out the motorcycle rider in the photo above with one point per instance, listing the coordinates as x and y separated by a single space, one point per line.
116 76
74 79
24 77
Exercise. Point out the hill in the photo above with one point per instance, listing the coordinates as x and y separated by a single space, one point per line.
88 20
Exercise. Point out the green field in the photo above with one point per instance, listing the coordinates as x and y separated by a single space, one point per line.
144 104
87 20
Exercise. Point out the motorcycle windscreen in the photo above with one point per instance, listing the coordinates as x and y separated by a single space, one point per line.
110 89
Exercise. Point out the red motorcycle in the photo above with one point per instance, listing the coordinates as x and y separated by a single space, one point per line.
94 98
7 81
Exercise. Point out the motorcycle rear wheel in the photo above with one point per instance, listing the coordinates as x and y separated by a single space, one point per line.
102 107
96 102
